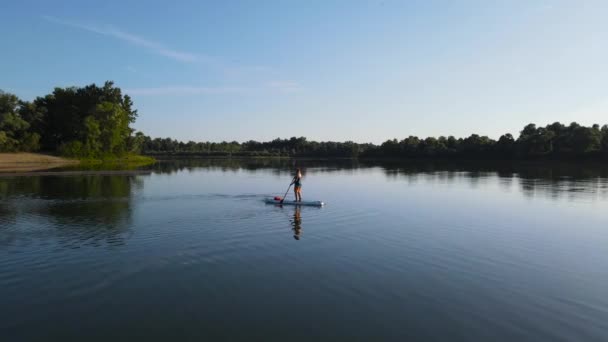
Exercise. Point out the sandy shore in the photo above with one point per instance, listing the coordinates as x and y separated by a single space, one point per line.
28 162
74 173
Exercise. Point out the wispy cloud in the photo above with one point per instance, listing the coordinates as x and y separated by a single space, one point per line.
280 86
284 86
132 39
233 71
186 90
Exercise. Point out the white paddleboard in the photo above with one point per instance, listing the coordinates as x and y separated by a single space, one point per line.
291 202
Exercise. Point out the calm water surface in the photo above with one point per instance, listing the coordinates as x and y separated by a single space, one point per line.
401 251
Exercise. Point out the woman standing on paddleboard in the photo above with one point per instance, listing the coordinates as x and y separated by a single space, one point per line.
297 185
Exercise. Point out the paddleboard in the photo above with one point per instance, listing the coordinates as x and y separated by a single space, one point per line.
291 202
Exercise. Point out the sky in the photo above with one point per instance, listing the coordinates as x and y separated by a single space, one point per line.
365 71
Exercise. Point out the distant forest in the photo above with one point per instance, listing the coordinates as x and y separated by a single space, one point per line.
554 141
93 121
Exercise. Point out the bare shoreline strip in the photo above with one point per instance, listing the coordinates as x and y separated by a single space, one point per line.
35 164
30 162
76 173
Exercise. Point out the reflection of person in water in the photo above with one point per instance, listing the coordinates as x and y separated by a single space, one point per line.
297 223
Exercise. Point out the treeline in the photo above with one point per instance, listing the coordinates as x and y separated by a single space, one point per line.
555 141
278 147
88 122
93 122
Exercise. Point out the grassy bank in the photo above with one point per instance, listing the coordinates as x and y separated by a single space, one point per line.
127 162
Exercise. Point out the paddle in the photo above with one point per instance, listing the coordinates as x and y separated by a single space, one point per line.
283 199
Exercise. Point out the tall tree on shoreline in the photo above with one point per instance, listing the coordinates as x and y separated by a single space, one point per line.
85 122
15 132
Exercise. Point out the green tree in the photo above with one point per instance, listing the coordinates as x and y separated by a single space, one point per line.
536 142
409 147
505 146
92 140
72 114
604 132
14 130
135 143
114 127
585 140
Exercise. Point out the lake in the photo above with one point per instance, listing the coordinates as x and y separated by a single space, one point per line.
419 251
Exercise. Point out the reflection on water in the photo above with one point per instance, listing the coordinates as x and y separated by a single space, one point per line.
84 210
296 223
551 179
104 204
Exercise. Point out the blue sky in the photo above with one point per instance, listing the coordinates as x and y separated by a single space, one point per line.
327 70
